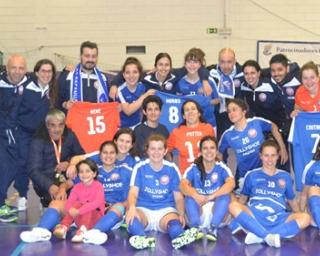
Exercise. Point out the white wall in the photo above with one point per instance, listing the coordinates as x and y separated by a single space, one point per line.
55 29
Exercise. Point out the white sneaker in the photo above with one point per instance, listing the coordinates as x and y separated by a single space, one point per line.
78 237
95 236
252 239
22 204
187 237
273 240
142 242
35 235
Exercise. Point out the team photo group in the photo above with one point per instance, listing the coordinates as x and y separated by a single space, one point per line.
183 151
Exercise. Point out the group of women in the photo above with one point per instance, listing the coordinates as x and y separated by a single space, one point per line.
151 195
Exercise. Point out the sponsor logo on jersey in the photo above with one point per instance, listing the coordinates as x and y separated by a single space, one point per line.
262 97
115 176
281 183
289 91
214 177
164 180
252 133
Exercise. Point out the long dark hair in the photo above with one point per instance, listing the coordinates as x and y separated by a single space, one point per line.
199 161
130 132
201 119
53 90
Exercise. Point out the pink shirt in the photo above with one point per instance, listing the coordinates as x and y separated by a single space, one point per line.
90 197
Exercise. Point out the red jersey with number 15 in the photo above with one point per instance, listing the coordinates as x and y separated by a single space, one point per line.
93 123
186 140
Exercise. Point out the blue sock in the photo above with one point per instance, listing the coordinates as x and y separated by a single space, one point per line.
49 219
174 228
192 211
287 229
107 222
136 228
314 206
251 224
220 209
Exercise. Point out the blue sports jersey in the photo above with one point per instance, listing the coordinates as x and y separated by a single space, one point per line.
184 87
171 109
115 183
125 95
311 174
128 161
213 181
304 137
268 194
155 187
246 143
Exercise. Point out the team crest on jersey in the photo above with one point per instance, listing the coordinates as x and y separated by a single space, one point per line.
252 133
289 91
281 183
115 176
214 177
262 97
20 90
200 91
96 84
236 83
164 180
168 86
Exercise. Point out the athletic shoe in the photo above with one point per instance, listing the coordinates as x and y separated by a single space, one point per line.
35 235
78 237
95 236
7 210
187 237
142 242
252 239
8 218
273 240
22 204
60 231
212 235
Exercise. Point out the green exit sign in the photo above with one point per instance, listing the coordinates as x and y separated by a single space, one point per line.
212 30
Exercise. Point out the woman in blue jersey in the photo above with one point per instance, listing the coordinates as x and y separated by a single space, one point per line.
311 189
207 185
163 77
267 190
124 138
245 138
154 201
38 97
115 181
132 93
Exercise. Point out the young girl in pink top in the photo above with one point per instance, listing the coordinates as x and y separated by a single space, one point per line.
86 203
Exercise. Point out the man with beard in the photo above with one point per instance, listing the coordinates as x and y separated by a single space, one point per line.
86 82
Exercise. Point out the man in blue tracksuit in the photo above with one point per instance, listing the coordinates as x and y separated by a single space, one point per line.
12 87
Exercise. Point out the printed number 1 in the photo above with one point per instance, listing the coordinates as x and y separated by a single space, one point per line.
96 125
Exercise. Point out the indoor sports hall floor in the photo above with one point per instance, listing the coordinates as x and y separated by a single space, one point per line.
307 243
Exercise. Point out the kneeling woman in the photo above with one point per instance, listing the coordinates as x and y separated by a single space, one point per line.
155 202
268 189
207 185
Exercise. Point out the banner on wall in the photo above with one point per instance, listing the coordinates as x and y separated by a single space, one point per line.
300 52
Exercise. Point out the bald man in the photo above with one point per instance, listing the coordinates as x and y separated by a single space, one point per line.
228 76
12 86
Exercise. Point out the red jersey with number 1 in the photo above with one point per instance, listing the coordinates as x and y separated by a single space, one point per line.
93 123
186 140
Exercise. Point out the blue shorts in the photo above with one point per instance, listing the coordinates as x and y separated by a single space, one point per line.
269 219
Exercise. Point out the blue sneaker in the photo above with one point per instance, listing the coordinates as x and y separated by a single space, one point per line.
9 218
7 210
